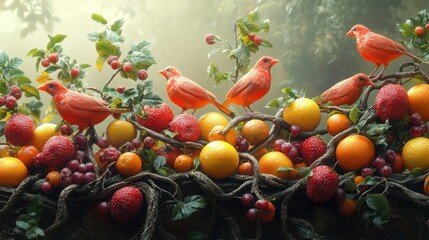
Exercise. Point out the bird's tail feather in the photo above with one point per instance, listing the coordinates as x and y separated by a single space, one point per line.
224 109
416 58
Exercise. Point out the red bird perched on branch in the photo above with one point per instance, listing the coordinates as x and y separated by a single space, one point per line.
347 91
253 85
377 48
187 94
78 108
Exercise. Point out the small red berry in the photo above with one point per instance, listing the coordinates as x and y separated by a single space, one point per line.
45 62
2 101
252 36
128 67
419 31
210 39
11 102
115 64
120 89
142 74
53 57
257 40
427 26
74 72
110 59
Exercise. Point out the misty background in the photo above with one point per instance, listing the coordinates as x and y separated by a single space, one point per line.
308 38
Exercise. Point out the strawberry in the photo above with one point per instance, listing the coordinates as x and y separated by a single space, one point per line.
391 102
126 204
157 117
322 184
311 149
170 153
187 128
57 151
19 129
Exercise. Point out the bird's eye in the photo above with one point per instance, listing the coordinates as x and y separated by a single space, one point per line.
168 69
361 78
51 85
354 29
265 60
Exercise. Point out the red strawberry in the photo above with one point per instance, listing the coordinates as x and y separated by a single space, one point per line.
19 129
57 151
311 149
391 102
170 154
126 204
322 184
187 128
157 117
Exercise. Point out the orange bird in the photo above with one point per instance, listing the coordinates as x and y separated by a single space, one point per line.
377 48
347 91
78 108
187 94
253 85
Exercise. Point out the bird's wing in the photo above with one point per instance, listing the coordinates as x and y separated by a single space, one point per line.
383 44
337 91
192 88
83 102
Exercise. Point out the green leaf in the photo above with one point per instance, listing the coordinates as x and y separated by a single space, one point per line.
94 36
190 205
22 221
159 162
353 115
370 181
266 43
254 15
23 109
266 25
35 52
4 58
23 80
98 18
1 122
377 202
106 48
117 25
30 91
416 172
35 108
34 233
273 104
15 62
4 88
285 169
55 40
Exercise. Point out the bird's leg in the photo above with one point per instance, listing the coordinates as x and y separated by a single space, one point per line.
251 113
93 137
376 68
193 111
380 74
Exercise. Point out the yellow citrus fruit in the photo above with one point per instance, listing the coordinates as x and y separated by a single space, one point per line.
129 164
337 123
272 161
415 153
42 134
304 113
208 121
183 163
255 131
12 172
426 185
355 152
219 159
418 100
120 132
215 134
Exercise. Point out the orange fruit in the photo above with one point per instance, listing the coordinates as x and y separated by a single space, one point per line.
268 215
337 123
53 177
255 131
120 132
183 163
348 207
208 121
415 153
219 159
426 185
129 164
418 101
295 174
355 152
272 161
215 134
42 134
245 168
398 164
26 155
260 153
358 180
304 113
12 172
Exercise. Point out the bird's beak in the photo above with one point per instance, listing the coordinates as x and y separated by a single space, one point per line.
274 61
350 33
163 73
370 83
43 87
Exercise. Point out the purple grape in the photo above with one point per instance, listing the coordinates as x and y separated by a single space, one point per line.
82 168
103 208
129 147
277 145
103 142
89 177
80 140
46 187
297 145
340 195
366 172
251 214
66 130
386 171
239 139
90 167
262 204
293 153
66 172
80 155
148 142
286 147
65 181
424 128
295 130
73 164
415 119
136 142
247 199
378 163
78 178
416 131
390 156
243 146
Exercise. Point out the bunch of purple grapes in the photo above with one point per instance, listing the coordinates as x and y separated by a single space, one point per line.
247 200
418 127
241 145
77 173
291 149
